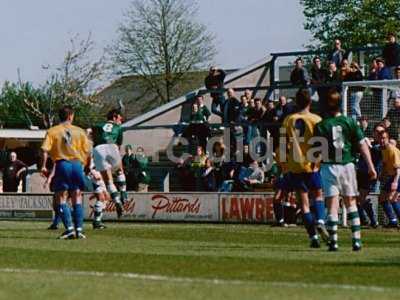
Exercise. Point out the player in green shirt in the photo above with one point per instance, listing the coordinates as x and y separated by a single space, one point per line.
107 139
340 138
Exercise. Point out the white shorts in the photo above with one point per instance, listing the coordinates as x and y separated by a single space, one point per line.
106 157
339 180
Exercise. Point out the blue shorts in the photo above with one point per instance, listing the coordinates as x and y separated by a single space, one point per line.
387 182
68 176
306 181
283 183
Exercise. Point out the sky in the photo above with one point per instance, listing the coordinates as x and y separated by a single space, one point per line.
36 33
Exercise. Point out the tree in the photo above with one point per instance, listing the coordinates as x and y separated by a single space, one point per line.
161 41
71 82
355 22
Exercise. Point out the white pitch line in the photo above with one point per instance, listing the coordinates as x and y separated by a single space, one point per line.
192 280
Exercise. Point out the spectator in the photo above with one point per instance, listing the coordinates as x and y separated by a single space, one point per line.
395 94
209 177
251 103
214 81
299 75
283 109
332 81
244 115
317 76
196 165
383 72
344 69
393 117
198 127
373 70
13 173
391 53
255 127
356 93
249 94
367 130
250 176
337 54
219 160
231 108
141 169
128 165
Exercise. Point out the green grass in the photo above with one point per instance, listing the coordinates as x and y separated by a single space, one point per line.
248 261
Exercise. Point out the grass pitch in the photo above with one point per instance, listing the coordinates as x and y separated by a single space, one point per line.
193 261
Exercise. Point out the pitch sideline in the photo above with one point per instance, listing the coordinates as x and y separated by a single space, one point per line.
192 280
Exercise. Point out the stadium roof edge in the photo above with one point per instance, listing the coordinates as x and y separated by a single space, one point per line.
179 101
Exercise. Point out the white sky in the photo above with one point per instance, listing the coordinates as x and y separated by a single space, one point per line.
36 32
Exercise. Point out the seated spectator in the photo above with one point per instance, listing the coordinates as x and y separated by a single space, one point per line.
208 176
337 54
317 75
250 176
13 172
299 75
383 72
196 164
393 118
141 169
198 127
218 161
214 81
356 93
391 53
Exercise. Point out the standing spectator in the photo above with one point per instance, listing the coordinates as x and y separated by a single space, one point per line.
373 70
249 94
214 81
299 75
198 127
356 93
344 69
209 177
218 161
391 53
367 130
393 116
128 165
244 114
283 109
141 169
333 82
255 127
337 54
231 108
317 75
13 173
383 72
394 94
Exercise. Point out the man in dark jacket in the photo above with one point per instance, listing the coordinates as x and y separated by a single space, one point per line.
215 81
338 54
13 173
391 52
393 116
299 75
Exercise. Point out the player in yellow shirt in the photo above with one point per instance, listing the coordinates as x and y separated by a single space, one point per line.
304 174
69 148
390 179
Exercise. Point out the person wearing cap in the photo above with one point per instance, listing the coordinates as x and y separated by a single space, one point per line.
391 52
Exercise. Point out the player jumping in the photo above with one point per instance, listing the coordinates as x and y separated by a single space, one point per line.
107 140
304 174
69 147
344 138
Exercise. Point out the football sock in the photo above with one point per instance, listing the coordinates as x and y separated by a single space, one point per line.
65 215
121 185
278 211
369 209
320 211
388 209
332 227
98 211
308 220
354 219
396 208
78 217
112 190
